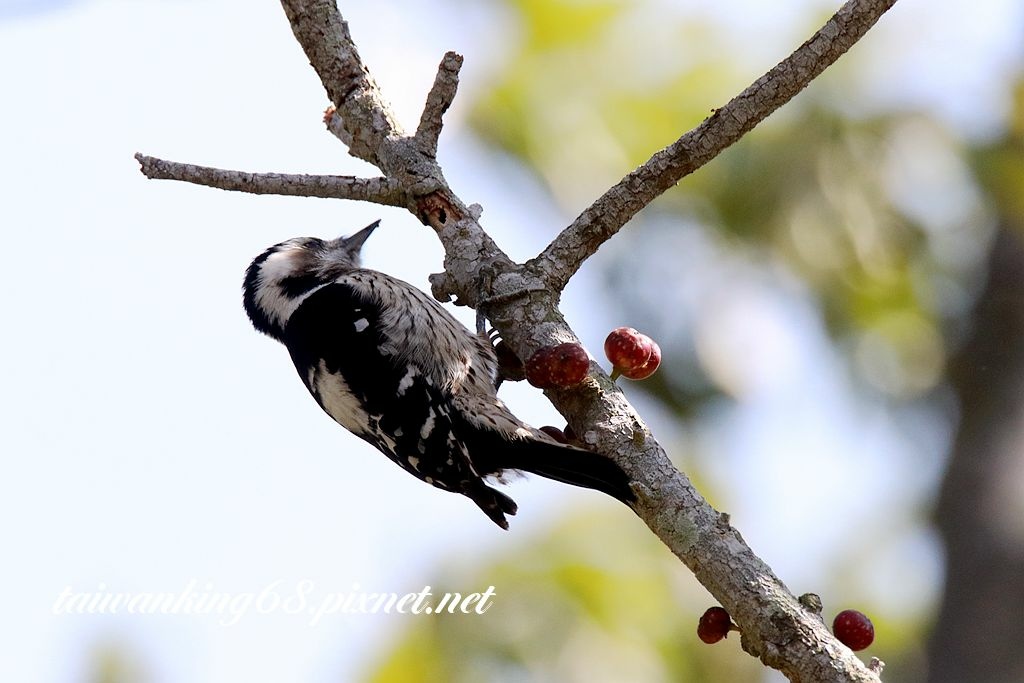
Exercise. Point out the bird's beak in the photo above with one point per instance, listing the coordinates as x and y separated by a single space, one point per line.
354 243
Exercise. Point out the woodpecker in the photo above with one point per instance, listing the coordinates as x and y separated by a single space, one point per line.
392 366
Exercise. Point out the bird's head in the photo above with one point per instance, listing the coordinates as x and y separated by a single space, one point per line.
279 279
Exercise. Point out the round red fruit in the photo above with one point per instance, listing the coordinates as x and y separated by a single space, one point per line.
853 629
626 348
714 625
562 365
648 368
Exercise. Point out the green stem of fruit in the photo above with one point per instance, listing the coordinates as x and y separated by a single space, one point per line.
615 374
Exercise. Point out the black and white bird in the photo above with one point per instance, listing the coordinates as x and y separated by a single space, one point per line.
392 366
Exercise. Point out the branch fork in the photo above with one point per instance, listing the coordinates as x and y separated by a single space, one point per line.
521 299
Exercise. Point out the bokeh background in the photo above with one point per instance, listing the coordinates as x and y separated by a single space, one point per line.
840 300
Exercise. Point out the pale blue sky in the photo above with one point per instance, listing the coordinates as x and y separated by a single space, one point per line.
150 437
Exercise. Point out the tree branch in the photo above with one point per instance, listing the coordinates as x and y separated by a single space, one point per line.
522 304
376 190
361 114
440 97
602 219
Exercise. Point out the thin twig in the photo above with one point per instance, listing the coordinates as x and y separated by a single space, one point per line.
362 115
376 190
602 219
440 97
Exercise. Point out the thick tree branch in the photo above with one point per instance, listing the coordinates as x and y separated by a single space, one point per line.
376 190
602 219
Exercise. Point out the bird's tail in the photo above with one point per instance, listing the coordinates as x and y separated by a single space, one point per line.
494 503
568 465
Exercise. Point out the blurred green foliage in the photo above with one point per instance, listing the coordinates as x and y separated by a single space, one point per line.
117 663
594 599
1000 166
844 204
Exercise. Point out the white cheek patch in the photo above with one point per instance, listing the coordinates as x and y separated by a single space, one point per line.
269 297
280 264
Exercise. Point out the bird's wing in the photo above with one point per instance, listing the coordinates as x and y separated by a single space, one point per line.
334 339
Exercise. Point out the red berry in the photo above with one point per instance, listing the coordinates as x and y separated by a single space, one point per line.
626 348
555 433
853 629
562 365
648 368
714 625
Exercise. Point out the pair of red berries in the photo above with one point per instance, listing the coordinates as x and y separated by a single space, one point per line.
851 628
632 354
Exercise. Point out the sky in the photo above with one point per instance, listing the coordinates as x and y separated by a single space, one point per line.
152 441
